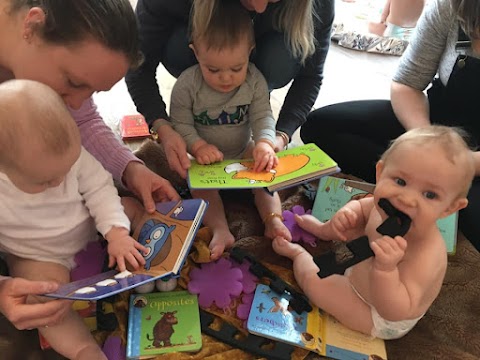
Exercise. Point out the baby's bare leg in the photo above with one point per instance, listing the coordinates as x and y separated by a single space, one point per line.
215 219
333 294
405 13
71 338
266 206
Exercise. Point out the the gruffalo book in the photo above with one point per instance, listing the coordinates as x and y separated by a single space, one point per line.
167 234
161 323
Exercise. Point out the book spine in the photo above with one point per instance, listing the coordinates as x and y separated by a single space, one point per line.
133 340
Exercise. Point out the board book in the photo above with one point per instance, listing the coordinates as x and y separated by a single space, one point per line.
163 322
271 317
168 234
333 193
134 127
297 165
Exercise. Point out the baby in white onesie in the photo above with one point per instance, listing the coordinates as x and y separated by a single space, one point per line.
55 197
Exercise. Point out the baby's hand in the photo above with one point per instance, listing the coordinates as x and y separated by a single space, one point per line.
388 252
344 219
208 154
264 157
122 246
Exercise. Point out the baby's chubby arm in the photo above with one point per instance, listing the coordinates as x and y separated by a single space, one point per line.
205 153
101 198
395 285
121 247
264 156
348 223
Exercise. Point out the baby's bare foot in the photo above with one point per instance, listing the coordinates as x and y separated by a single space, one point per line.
286 248
275 227
221 240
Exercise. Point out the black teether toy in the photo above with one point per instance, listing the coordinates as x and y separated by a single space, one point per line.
397 223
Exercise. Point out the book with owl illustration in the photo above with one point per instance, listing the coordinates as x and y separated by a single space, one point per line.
297 165
335 192
272 317
163 322
167 234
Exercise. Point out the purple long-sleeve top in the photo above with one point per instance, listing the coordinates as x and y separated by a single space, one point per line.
100 141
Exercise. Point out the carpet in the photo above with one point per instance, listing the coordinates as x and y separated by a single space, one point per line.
449 330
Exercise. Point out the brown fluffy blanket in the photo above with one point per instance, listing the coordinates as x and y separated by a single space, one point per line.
449 330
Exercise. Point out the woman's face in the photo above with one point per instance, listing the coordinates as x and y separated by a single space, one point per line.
258 6
74 72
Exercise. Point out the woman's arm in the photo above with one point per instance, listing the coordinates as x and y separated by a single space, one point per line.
305 87
156 21
117 159
410 106
101 142
418 66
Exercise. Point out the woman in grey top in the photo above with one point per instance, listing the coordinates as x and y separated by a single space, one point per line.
444 53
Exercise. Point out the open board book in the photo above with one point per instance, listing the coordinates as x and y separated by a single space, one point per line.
167 234
271 317
335 192
297 165
163 322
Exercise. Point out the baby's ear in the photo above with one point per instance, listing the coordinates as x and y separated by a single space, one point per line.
456 205
378 169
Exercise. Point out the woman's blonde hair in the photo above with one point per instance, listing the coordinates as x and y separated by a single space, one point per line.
293 17
468 14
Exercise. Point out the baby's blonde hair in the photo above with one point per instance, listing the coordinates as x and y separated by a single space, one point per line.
229 24
453 142
32 114
293 17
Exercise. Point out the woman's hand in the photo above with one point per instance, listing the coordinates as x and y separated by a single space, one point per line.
148 186
175 150
13 303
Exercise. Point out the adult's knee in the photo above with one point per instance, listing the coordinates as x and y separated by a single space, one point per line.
272 56
316 128
177 55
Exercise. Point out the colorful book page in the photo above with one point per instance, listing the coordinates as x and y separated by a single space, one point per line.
167 234
296 165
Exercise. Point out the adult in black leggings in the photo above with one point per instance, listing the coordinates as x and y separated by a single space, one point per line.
443 56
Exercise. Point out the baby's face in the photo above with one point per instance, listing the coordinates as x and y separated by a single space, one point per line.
223 70
37 171
421 182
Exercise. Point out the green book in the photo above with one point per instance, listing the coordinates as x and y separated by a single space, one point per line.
163 322
334 192
297 165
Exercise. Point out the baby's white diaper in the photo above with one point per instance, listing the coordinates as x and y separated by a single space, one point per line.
386 329
398 32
